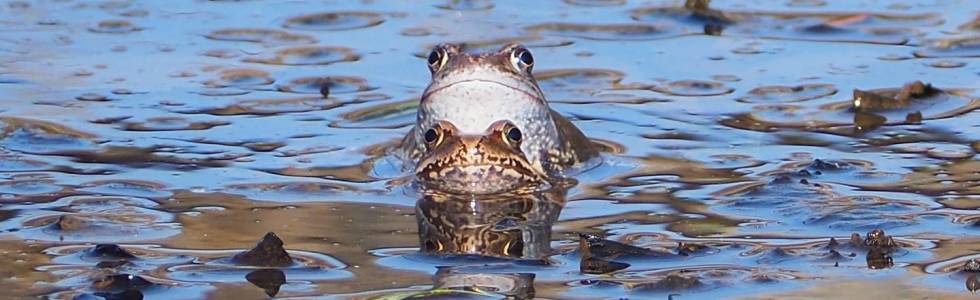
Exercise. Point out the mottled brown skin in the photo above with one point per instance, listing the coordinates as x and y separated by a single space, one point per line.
482 162
472 103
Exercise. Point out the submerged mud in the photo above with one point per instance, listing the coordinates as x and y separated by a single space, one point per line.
241 149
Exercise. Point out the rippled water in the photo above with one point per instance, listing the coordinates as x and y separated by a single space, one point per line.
183 131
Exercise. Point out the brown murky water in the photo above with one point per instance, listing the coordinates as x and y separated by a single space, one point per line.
184 131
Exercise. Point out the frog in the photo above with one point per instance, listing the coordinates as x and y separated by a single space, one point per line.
483 126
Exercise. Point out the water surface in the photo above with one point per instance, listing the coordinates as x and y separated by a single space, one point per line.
183 131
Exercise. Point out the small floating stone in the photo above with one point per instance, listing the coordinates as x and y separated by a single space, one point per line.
826 165
882 99
269 252
914 117
856 239
110 251
972 265
691 248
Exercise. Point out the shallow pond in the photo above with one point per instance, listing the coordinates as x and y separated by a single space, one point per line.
175 134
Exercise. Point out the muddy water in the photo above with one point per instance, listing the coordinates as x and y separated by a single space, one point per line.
183 132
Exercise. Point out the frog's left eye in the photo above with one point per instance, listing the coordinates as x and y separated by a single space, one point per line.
522 59
511 135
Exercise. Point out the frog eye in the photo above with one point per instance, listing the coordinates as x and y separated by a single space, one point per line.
512 135
434 136
431 135
437 59
522 59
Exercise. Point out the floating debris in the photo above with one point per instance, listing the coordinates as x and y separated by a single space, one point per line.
592 245
109 252
883 99
691 248
597 254
267 253
972 265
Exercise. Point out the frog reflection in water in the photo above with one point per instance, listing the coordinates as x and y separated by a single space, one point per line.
512 226
484 126
505 225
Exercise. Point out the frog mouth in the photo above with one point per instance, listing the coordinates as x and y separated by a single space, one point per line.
478 82
477 165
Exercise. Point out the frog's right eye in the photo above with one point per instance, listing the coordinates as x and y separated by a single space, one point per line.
431 135
522 59
437 59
